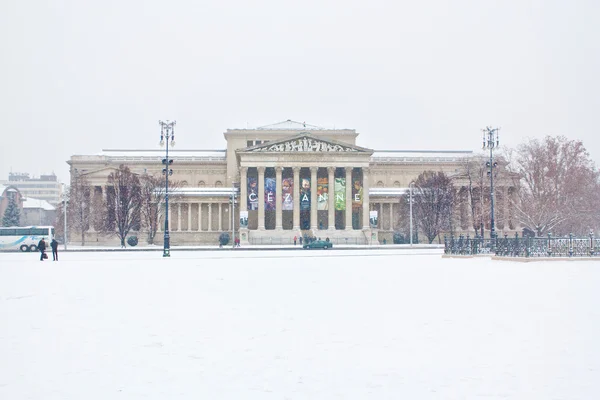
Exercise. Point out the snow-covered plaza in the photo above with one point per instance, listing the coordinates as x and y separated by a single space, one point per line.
346 324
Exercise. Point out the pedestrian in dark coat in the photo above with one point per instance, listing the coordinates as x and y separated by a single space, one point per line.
54 245
42 248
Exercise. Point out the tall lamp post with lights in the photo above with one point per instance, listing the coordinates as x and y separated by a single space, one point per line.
410 201
491 141
167 133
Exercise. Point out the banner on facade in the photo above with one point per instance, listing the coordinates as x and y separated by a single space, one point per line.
305 194
357 194
323 193
252 194
340 194
287 194
270 194
243 219
373 219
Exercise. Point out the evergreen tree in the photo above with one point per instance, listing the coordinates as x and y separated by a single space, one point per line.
12 215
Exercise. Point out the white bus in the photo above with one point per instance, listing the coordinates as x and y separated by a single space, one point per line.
24 238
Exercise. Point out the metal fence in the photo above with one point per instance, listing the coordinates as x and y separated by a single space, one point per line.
516 246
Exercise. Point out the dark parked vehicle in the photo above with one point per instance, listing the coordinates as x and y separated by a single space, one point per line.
318 244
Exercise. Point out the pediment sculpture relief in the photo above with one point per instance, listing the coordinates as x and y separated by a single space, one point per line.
304 144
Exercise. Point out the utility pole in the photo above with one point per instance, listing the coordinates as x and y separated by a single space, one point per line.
167 133
491 141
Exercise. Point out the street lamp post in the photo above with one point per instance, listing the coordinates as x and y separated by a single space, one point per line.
65 202
410 185
232 208
167 133
491 141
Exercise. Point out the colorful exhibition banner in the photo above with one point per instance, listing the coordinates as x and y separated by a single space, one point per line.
243 219
270 194
373 219
322 194
252 194
305 194
340 194
287 194
357 194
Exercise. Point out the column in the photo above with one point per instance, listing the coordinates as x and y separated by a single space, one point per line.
296 211
209 216
243 189
391 216
261 198
178 217
313 197
199 217
348 198
278 210
366 200
331 199
220 217
189 217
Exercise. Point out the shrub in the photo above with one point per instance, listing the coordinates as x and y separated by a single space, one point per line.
132 241
224 238
399 238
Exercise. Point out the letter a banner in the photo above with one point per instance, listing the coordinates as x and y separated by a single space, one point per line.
340 194
305 194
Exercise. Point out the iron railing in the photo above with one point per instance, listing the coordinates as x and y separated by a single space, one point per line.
516 246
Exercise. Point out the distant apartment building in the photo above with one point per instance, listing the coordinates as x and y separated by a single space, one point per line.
46 187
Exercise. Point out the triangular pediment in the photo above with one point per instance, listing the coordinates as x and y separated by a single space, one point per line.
305 143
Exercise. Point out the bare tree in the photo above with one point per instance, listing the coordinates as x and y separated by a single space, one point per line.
152 192
433 203
78 210
558 186
123 203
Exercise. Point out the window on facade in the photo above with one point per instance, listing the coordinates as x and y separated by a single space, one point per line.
396 184
379 184
184 184
201 184
218 184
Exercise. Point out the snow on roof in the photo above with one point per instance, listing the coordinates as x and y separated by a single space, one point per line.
37 203
290 125
380 155
161 153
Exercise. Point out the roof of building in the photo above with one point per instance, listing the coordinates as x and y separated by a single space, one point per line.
161 153
290 125
420 155
37 203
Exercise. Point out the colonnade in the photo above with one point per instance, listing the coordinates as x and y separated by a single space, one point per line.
194 213
313 172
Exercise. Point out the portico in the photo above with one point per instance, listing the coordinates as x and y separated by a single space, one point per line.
304 183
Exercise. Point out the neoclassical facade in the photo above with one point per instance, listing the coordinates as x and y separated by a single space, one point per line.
289 179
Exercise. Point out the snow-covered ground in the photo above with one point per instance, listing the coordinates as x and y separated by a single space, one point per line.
380 324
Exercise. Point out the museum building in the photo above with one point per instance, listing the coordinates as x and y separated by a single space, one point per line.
289 179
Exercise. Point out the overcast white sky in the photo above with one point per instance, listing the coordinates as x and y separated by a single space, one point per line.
79 76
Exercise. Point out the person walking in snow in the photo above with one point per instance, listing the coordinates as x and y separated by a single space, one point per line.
54 245
42 248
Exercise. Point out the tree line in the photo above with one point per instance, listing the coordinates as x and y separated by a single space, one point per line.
131 202
556 190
